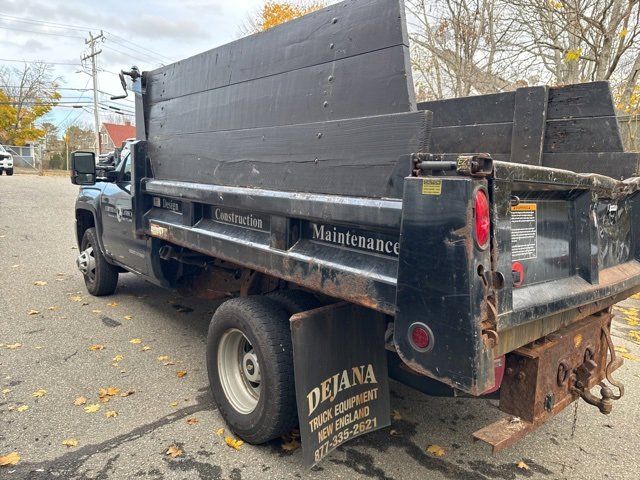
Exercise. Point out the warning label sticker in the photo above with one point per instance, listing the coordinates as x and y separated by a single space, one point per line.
431 187
524 231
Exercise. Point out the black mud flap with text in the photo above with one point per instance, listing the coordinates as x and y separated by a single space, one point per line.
341 377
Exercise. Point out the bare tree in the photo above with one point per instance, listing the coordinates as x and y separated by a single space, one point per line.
580 40
30 92
462 47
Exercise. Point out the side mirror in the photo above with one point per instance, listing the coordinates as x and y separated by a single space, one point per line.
83 168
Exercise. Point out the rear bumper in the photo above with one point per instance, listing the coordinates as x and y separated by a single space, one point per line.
543 378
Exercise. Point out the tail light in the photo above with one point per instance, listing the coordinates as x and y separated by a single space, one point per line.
481 218
421 337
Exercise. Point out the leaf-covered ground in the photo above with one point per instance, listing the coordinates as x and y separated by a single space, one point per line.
116 387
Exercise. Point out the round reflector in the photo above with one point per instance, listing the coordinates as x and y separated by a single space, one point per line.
481 218
421 337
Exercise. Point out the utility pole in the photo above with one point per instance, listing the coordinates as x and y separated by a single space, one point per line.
91 41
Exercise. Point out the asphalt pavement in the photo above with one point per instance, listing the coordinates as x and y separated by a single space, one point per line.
145 347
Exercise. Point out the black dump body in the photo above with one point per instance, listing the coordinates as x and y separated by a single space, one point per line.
293 153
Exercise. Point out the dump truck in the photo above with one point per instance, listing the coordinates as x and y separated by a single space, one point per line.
472 246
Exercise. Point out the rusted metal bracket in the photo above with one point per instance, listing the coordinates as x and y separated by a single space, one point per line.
544 377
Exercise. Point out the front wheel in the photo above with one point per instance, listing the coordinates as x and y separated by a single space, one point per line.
250 366
100 277
10 172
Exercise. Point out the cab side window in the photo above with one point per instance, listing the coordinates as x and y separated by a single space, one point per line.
125 176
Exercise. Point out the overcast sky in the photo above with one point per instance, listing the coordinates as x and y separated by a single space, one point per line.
161 31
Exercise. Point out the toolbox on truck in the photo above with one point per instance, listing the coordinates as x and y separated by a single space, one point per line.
489 236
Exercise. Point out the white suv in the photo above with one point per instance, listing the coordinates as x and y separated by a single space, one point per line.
6 161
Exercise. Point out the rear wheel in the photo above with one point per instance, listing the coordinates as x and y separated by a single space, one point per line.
250 366
100 277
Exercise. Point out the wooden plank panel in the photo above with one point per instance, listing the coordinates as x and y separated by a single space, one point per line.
619 165
529 119
351 157
596 134
339 31
479 109
494 138
371 84
580 100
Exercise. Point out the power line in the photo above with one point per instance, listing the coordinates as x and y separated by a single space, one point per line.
40 32
17 60
83 29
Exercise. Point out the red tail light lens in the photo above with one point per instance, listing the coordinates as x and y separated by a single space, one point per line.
481 218
420 337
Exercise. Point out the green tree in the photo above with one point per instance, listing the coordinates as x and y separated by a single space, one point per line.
26 95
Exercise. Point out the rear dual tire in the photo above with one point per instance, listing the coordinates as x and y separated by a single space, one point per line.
250 363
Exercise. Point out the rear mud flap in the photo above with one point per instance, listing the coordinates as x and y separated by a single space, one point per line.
341 377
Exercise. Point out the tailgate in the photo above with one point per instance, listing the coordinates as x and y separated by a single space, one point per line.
568 244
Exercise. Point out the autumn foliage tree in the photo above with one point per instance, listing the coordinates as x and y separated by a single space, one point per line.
26 95
274 13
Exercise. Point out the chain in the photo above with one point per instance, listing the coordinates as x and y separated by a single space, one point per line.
575 418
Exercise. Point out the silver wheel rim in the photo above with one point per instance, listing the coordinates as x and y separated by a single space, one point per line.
239 371
87 263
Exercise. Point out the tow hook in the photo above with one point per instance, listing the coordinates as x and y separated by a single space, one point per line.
604 404
583 372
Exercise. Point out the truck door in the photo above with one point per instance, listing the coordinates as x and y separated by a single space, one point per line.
117 221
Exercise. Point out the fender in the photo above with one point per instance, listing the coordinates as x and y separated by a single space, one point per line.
89 200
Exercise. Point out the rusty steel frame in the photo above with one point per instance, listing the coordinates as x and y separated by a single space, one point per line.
543 378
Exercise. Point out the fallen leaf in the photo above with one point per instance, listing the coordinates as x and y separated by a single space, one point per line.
70 442
96 311
117 358
174 451
60 274
181 373
13 346
173 404
53 307
290 446
145 348
80 401
75 298
112 304
128 317
395 415
6 390
15 266
220 432
135 341
163 358
233 443
39 393
436 450
33 312
9 459
111 391
192 421
93 408
111 414
96 347
168 363
394 433
38 347
127 393
23 408
522 466
630 356
40 283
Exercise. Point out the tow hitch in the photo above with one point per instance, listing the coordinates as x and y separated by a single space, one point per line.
542 378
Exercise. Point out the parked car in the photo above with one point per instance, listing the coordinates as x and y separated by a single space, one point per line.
6 161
